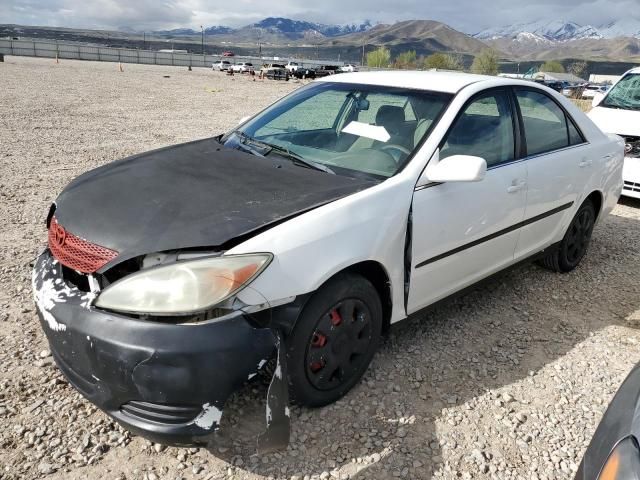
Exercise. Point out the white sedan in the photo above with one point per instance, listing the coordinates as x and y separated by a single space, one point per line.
300 236
244 67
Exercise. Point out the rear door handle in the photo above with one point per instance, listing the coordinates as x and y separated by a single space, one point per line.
516 187
585 162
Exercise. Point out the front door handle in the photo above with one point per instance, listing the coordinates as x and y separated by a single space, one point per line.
516 187
585 162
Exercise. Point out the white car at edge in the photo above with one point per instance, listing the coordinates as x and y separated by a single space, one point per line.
618 111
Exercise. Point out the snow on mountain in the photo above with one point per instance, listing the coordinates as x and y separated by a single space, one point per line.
626 27
527 37
290 27
562 31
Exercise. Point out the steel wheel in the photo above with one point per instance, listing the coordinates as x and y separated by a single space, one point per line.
334 340
579 235
575 243
339 344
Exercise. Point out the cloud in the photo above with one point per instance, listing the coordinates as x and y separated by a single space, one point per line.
466 15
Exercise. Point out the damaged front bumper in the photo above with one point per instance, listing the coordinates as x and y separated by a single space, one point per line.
163 381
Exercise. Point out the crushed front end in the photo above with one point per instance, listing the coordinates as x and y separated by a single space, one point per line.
163 380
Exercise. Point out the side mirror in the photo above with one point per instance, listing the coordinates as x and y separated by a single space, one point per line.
457 168
597 98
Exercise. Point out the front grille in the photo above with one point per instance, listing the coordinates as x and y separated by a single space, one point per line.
161 413
632 147
630 186
75 252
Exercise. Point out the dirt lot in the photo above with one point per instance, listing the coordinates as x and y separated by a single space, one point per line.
506 382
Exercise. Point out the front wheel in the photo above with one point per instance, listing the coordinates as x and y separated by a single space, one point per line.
575 243
334 340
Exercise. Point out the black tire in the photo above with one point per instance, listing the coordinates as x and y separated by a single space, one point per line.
575 243
334 340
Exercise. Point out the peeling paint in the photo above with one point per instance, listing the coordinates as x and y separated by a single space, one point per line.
49 291
209 416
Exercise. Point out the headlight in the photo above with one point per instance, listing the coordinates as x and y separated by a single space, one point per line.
183 287
623 463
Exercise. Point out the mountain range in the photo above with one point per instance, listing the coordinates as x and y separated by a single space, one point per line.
562 31
529 42
273 28
559 39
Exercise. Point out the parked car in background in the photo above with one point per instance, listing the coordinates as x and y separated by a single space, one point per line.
613 453
222 65
304 73
292 67
274 71
326 70
590 91
298 237
244 67
228 54
618 111
349 67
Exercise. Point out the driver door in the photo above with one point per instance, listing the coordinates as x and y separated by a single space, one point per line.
463 232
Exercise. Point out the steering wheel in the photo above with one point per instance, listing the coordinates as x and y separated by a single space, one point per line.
397 148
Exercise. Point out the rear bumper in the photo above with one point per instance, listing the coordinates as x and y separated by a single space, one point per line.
631 177
163 381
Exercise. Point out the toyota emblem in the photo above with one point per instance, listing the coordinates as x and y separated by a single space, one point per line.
628 148
59 235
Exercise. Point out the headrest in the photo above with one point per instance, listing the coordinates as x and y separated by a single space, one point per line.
390 117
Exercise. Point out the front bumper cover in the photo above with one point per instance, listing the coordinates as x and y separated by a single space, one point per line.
163 381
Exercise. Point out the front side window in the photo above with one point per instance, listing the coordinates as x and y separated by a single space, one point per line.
625 94
349 128
484 129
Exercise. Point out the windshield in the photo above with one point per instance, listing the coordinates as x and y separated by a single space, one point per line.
349 128
625 94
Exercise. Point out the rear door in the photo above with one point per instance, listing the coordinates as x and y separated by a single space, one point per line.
559 166
463 232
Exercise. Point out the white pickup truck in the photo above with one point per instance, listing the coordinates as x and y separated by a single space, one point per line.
292 67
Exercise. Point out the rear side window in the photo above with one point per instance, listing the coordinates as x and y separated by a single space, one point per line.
484 129
546 127
575 137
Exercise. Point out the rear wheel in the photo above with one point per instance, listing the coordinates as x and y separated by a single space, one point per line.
575 243
334 340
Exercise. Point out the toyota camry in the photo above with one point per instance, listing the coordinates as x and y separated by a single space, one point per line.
291 243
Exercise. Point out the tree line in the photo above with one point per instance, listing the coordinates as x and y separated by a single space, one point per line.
485 63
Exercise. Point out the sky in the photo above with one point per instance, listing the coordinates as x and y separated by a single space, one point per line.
469 16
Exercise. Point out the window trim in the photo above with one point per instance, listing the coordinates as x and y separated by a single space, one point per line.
505 90
567 118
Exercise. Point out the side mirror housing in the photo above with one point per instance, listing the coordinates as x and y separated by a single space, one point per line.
597 98
457 168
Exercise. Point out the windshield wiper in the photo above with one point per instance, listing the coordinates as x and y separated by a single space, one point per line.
247 141
297 159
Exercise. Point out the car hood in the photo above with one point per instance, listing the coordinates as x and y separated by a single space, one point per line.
198 194
618 121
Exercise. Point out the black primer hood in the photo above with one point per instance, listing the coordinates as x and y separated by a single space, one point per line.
197 194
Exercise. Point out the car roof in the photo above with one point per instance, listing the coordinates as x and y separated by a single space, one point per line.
439 81
634 70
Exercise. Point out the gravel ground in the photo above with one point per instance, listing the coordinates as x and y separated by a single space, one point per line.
509 381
